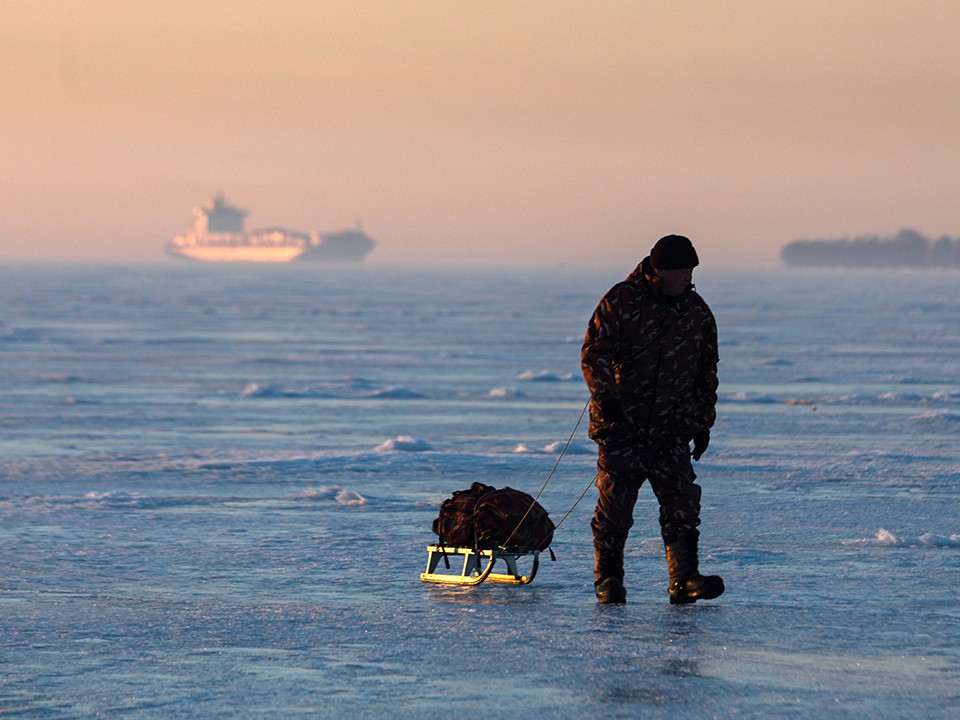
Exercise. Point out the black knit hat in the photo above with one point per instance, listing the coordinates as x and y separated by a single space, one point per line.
674 252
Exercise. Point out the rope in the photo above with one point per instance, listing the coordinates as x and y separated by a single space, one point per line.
552 471
585 490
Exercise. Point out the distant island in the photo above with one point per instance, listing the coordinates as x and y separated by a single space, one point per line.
908 249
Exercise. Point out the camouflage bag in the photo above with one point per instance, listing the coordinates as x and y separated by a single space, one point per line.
483 517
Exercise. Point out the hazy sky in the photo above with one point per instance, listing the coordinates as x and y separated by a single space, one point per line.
486 131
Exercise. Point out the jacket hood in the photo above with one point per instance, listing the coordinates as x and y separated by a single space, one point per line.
642 271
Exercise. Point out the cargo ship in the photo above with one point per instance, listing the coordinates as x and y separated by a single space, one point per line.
218 235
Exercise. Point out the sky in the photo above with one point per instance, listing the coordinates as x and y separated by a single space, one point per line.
494 132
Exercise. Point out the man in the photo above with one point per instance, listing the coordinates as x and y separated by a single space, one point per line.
650 361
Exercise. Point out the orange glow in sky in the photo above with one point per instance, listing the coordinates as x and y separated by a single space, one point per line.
496 132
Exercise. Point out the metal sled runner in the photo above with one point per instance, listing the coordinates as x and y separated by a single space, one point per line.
471 572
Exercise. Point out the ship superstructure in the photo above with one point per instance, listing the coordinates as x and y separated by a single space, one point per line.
218 235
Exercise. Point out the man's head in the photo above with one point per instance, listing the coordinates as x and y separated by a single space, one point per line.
674 252
673 259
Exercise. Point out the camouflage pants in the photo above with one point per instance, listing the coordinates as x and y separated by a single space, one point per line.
622 467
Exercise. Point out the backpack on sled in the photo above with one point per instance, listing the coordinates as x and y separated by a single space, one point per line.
483 524
483 517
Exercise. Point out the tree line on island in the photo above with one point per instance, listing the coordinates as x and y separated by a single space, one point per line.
908 248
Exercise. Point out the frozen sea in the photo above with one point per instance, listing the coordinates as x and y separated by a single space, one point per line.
217 485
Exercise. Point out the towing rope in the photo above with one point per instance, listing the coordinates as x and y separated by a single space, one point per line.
577 502
550 475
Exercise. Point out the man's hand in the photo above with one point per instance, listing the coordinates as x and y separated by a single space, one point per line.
700 442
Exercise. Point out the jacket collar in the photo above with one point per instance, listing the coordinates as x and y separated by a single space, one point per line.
644 275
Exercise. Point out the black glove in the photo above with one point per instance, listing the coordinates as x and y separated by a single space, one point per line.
700 442
611 410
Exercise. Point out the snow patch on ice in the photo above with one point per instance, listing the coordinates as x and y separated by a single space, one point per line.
404 443
856 398
926 540
256 390
938 419
506 392
395 393
748 397
572 449
346 388
555 448
944 541
542 376
945 396
893 396
340 495
885 537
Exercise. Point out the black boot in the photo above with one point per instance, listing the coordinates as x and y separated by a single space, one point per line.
687 585
608 575
610 591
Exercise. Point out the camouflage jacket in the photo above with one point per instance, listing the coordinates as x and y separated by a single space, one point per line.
655 358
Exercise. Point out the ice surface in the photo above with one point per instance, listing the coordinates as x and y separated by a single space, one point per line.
217 485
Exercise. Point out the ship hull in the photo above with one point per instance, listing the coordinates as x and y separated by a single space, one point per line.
237 254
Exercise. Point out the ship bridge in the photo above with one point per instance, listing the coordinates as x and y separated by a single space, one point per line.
216 216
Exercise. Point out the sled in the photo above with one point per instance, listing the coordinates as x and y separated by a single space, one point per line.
471 572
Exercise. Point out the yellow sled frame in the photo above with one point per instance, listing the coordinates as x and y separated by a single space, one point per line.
471 573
